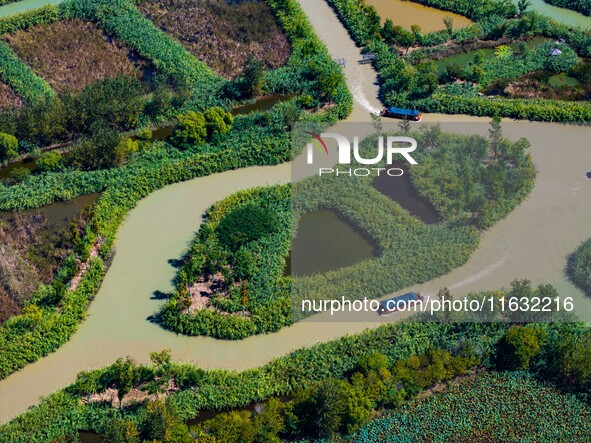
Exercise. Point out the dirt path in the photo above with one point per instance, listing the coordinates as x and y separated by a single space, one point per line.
532 242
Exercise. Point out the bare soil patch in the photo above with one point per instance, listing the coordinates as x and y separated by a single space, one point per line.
73 54
222 34
8 97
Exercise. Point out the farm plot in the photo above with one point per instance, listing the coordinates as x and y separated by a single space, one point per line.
222 34
8 97
73 54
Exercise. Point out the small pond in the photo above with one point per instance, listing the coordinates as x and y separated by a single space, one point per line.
58 215
326 241
405 14
27 163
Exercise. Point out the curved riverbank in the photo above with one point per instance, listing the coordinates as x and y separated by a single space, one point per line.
531 243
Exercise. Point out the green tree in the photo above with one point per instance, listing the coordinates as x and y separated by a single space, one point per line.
253 77
120 430
449 25
373 362
232 427
571 362
519 346
270 421
99 151
190 130
405 38
125 149
122 378
454 71
217 122
427 80
522 6
388 32
8 147
321 410
50 161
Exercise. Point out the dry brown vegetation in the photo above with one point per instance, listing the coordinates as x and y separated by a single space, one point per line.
8 97
31 252
222 34
73 53
530 87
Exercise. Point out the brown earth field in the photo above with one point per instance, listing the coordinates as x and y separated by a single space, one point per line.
220 33
33 246
8 97
73 54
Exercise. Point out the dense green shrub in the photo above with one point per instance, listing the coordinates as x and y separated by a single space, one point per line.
8 147
519 346
19 174
49 162
579 267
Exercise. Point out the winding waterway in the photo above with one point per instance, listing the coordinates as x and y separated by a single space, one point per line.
533 242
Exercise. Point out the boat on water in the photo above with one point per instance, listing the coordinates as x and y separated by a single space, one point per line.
400 302
403 114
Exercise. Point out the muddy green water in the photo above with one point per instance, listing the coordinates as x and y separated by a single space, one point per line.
562 15
400 190
261 104
326 241
27 163
406 14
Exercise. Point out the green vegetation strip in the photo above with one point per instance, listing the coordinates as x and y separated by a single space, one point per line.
379 368
14 72
579 267
45 15
62 414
